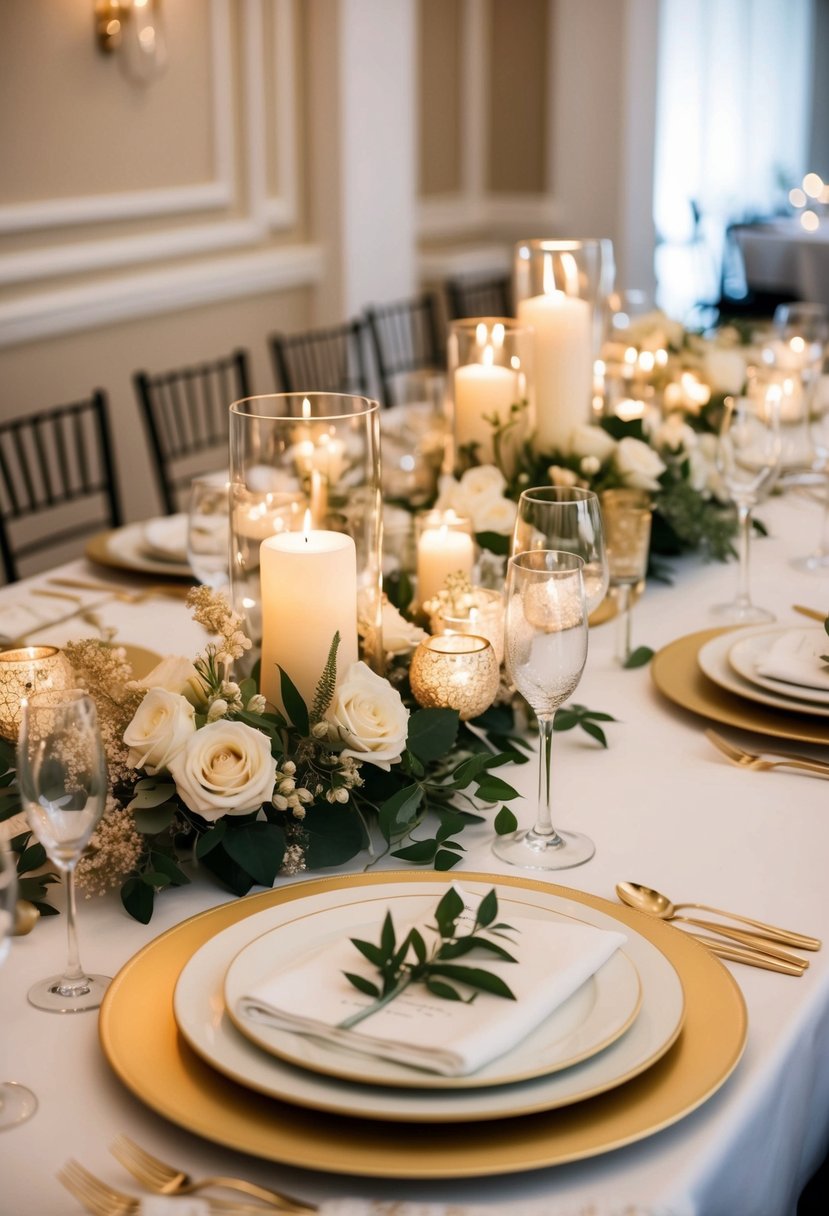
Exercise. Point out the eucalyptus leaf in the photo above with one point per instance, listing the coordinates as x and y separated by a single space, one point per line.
138 900
639 657
295 707
505 822
419 851
446 861
397 812
432 733
154 819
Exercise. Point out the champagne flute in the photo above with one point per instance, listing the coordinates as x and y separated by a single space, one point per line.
748 457
568 519
63 785
627 525
208 532
546 649
17 1103
797 348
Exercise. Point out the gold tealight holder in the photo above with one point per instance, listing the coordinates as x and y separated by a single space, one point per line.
482 615
25 671
455 671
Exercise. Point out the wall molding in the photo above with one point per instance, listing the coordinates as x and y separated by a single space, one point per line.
457 215
108 301
162 200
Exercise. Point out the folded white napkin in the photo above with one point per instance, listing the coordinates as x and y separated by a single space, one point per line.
422 1031
794 657
21 617
166 537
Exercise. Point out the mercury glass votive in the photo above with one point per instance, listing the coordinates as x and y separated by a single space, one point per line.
483 615
455 671
25 671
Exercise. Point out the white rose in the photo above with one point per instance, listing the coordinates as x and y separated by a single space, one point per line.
705 476
160 728
226 768
588 440
175 674
399 635
483 483
638 465
675 433
477 489
497 516
369 717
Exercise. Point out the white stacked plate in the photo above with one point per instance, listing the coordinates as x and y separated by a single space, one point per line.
732 660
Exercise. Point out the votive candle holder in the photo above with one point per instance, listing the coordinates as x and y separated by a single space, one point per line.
455 671
24 671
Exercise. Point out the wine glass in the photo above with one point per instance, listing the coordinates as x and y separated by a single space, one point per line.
63 785
627 525
748 457
569 519
208 532
17 1103
546 649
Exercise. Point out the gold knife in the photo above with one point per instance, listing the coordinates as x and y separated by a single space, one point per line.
742 954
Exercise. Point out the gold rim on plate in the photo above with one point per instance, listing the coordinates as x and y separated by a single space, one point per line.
676 673
143 1046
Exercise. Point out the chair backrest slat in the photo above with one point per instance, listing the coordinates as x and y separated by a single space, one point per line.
186 415
48 461
329 360
405 337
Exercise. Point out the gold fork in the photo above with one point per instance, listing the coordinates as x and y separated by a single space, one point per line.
100 1199
767 760
165 1179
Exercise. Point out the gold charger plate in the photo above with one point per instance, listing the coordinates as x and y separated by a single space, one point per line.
676 673
143 1046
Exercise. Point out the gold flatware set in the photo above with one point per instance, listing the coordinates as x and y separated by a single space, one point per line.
766 760
760 945
101 1199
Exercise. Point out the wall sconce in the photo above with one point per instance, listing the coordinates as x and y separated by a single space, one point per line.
135 29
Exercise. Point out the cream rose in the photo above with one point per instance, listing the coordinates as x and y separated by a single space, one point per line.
175 674
497 516
475 495
588 440
226 768
399 635
724 369
368 716
675 433
638 465
160 728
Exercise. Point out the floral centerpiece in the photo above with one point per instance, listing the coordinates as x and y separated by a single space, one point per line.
201 769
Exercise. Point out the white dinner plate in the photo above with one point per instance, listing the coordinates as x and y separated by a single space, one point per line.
714 663
595 1015
165 538
743 657
124 548
202 1019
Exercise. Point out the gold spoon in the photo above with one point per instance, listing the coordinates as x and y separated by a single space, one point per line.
655 904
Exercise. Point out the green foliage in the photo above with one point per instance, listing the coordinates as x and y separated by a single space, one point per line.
639 657
324 694
579 715
412 961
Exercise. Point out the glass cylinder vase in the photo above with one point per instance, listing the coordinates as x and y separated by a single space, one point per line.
306 532
561 291
490 379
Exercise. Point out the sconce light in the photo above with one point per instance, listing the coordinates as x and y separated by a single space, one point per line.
134 29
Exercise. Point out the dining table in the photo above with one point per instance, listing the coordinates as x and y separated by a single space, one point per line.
782 256
664 807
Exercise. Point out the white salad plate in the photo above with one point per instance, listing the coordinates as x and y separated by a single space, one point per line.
748 651
713 659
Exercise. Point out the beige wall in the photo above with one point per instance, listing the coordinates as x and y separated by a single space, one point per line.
154 225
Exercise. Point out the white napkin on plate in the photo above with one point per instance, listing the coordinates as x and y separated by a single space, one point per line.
166 537
794 657
419 1030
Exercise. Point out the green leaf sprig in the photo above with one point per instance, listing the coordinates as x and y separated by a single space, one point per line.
412 961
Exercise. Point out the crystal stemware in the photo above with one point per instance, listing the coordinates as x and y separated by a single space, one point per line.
546 649
17 1103
748 458
627 525
208 532
63 785
569 519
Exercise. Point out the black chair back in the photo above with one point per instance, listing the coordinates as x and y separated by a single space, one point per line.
479 297
185 413
57 479
329 360
406 337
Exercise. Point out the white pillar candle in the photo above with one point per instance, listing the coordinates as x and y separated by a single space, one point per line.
309 592
481 390
441 551
563 365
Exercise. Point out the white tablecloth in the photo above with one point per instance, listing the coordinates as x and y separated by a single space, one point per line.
664 809
783 256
